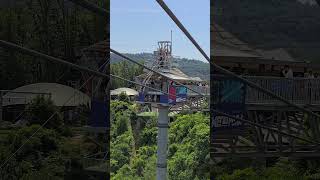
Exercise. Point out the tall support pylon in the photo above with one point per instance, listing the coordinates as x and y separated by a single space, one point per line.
162 144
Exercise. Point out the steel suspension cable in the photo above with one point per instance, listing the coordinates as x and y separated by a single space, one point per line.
53 59
34 53
262 126
198 47
223 70
100 11
149 69
179 24
219 68
244 120
43 124
91 7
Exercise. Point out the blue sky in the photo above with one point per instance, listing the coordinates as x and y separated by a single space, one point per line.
137 25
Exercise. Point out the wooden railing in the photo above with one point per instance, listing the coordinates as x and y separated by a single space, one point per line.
298 90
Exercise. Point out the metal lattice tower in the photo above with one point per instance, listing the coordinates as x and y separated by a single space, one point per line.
162 63
164 55
160 75
163 60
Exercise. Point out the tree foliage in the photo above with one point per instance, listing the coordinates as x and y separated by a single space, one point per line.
188 146
126 70
283 169
57 28
189 142
60 29
186 65
37 158
42 110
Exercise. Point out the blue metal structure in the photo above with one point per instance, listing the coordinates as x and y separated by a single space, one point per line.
99 114
230 98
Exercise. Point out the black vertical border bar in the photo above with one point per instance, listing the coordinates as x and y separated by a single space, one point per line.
107 89
211 88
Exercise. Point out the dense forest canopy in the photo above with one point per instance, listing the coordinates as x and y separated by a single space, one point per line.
133 145
55 152
60 29
57 28
190 67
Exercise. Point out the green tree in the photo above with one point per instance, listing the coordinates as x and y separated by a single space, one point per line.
41 109
188 145
188 150
126 70
37 157
121 151
245 174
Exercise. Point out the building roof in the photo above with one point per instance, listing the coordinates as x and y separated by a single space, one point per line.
177 74
223 37
128 91
59 94
225 51
227 48
276 54
224 44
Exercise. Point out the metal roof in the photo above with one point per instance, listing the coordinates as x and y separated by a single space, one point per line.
177 74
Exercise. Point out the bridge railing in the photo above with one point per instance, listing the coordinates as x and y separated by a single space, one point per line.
302 91
201 89
298 90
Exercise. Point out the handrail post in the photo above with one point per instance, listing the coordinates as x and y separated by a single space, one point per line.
310 91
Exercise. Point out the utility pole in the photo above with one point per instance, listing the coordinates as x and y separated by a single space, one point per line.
162 144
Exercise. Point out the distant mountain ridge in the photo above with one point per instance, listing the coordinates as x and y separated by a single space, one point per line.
191 67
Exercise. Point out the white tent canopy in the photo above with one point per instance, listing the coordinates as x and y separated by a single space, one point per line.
59 95
128 91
